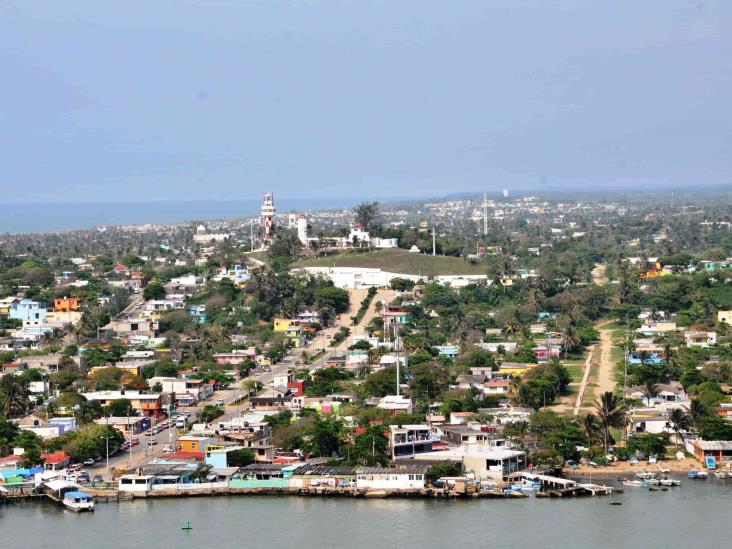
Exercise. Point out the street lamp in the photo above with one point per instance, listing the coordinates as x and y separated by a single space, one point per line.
106 441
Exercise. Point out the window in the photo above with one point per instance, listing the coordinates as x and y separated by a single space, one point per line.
127 481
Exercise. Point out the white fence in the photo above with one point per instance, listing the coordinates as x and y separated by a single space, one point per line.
191 486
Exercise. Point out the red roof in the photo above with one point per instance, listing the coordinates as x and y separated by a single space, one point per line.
11 459
121 267
497 383
186 454
55 457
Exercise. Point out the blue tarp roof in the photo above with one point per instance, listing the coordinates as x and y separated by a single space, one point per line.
21 472
78 495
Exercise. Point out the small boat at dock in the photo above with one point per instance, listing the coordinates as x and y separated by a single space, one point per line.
79 501
637 483
720 474
702 475
693 474
645 475
670 482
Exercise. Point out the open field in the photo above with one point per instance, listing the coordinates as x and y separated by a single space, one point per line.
397 261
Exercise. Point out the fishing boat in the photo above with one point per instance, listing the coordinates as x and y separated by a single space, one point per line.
637 483
720 474
702 475
526 486
653 481
670 482
79 501
645 475
693 474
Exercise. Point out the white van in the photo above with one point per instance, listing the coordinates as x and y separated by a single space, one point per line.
180 423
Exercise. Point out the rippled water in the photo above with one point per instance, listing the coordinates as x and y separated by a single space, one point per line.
695 515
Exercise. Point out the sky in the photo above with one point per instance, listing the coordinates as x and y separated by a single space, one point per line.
223 100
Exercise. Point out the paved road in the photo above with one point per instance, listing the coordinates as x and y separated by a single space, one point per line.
142 453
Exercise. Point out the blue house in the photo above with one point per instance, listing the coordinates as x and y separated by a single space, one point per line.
652 358
66 424
28 310
199 313
450 351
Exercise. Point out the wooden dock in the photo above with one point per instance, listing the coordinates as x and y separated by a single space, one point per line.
562 487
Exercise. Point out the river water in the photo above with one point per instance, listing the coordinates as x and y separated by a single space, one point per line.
697 514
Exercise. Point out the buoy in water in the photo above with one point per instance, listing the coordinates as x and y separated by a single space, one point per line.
187 526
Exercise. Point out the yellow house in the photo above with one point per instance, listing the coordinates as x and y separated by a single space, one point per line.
282 324
190 443
724 317
516 368
6 303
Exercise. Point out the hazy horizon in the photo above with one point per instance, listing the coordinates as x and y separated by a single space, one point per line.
223 100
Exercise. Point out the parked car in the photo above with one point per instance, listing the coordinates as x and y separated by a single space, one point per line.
82 477
74 467
168 449
220 402
152 442
89 461
135 441
97 478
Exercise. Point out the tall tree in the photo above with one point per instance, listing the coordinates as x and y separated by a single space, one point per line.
611 413
367 214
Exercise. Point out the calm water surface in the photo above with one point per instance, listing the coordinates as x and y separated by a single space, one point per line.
698 514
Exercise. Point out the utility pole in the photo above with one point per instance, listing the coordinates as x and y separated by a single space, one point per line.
485 214
398 376
251 235
433 242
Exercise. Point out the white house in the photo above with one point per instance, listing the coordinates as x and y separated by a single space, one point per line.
483 460
700 339
384 478
139 484
396 404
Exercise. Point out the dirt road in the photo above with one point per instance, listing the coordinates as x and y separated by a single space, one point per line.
585 380
606 368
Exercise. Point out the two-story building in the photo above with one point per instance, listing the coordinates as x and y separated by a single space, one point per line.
407 440
146 404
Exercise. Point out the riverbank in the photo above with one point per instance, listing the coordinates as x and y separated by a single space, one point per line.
624 468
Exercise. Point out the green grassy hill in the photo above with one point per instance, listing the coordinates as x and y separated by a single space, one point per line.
397 261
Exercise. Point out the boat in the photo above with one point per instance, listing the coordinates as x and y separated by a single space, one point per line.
645 475
653 481
638 483
79 501
670 482
720 474
693 474
710 462
702 475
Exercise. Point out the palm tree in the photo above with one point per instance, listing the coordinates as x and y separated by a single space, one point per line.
611 413
14 395
679 421
697 410
592 428
649 390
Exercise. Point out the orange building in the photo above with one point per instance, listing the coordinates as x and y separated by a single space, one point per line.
66 304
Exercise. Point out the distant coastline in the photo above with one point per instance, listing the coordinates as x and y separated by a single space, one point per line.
52 217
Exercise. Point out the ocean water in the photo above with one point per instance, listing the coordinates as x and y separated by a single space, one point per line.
50 217
693 515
